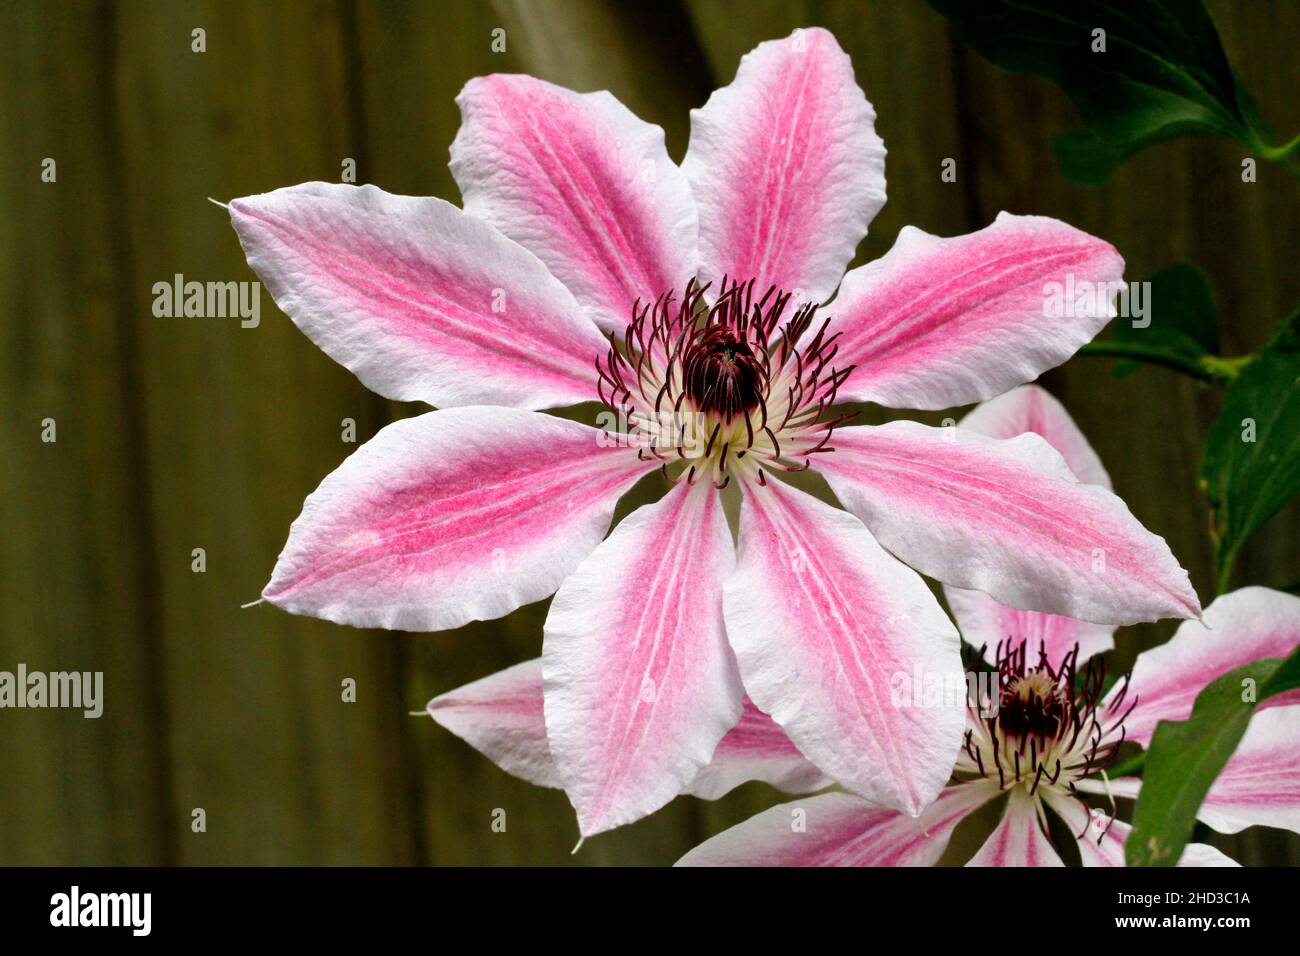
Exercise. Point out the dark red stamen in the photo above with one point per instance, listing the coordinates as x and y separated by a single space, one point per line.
734 358
1049 709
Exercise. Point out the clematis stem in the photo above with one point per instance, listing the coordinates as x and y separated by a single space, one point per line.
1209 368
1227 564
1279 152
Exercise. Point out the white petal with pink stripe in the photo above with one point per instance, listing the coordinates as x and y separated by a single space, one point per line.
983 621
1033 409
501 716
757 749
1018 839
580 181
640 684
457 515
1260 786
840 829
421 301
1101 839
786 167
941 322
1007 518
1247 625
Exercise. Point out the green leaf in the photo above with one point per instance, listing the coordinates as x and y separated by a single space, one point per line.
1186 756
1181 320
1252 452
1163 72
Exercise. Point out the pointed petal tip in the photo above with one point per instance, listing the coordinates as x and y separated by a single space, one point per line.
1191 604
267 595
1119 572
930 349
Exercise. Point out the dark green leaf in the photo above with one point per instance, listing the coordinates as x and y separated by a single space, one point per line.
1181 320
1252 452
1285 678
1186 756
1163 72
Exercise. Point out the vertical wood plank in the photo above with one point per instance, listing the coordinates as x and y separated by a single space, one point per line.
74 556
242 423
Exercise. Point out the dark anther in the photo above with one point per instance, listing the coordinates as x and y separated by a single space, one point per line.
721 374
1032 706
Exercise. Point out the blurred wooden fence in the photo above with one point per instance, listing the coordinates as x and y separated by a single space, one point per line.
183 434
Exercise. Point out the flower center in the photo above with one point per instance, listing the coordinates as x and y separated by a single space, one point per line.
726 388
1032 706
721 375
1049 727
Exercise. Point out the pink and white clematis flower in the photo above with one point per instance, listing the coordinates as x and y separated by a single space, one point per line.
1047 746
576 224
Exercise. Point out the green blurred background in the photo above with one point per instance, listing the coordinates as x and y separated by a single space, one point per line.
175 434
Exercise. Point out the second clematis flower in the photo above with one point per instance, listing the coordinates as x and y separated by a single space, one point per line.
1046 746
586 263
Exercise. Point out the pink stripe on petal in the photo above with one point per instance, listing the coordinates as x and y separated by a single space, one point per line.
500 716
640 684
1260 786
786 167
840 643
420 301
757 749
1018 839
453 516
1007 518
1030 408
583 183
941 322
840 829
1241 627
